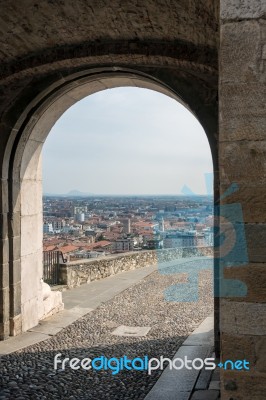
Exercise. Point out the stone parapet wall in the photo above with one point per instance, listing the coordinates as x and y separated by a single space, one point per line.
183 252
76 273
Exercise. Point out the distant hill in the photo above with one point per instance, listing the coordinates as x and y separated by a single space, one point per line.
77 193
71 193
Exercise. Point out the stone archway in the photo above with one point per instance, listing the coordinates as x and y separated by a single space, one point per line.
25 184
45 45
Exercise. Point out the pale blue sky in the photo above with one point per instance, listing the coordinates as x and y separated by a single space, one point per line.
126 141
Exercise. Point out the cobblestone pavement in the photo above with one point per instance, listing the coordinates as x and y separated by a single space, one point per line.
30 374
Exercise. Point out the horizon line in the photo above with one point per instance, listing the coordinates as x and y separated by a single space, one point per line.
128 194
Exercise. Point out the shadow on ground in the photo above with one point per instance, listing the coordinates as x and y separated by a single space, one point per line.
30 374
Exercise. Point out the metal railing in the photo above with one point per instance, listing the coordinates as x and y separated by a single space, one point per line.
51 262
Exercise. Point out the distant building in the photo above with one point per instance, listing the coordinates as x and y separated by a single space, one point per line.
86 254
121 245
48 228
58 224
161 225
208 236
79 210
102 245
184 239
90 233
145 226
68 249
126 225
95 254
171 241
80 217
153 244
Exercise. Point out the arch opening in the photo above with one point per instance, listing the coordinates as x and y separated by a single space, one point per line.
27 185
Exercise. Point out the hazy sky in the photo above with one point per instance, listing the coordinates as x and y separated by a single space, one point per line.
126 141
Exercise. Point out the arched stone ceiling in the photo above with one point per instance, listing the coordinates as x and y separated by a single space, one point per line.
45 42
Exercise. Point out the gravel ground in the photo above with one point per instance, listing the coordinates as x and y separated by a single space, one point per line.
29 373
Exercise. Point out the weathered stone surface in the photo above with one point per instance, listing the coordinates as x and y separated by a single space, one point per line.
239 347
108 20
4 330
16 272
242 152
205 395
230 385
39 131
241 249
4 303
76 273
3 196
4 312
215 385
4 251
203 380
242 9
250 198
242 318
260 351
243 113
240 51
79 272
254 276
3 226
31 197
29 312
15 243
16 325
135 331
31 234
15 299
256 248
51 305
243 385
15 224
30 279
4 276
243 162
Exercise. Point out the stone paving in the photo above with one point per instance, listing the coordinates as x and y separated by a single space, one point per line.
185 383
29 373
208 386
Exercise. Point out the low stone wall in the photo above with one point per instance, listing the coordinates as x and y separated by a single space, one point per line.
76 273
183 252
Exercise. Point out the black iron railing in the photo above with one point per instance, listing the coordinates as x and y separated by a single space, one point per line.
51 262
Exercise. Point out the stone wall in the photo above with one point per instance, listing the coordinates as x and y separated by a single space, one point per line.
76 273
242 154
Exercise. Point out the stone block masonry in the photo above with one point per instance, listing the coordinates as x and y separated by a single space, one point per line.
242 151
76 273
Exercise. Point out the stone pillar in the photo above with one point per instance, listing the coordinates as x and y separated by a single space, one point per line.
15 275
216 272
242 155
31 235
4 265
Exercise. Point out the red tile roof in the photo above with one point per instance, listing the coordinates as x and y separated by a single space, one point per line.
68 248
49 248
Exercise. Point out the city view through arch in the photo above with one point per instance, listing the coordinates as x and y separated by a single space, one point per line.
119 171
